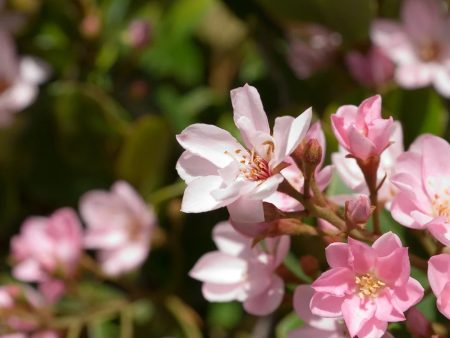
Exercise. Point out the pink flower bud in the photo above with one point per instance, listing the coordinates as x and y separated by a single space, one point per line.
358 211
371 69
139 33
417 324
361 130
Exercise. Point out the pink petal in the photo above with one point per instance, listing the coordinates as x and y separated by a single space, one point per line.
443 301
362 256
123 260
385 311
228 240
359 145
190 166
336 281
441 81
218 268
386 244
439 272
337 255
434 159
374 329
266 302
245 210
326 305
440 229
357 312
197 196
312 332
302 299
407 295
222 292
210 142
247 103
414 75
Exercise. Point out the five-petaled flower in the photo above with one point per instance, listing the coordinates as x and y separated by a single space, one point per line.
367 286
221 172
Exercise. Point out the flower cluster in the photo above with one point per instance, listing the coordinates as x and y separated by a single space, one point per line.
274 180
119 224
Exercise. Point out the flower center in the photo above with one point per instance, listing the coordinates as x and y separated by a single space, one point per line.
368 285
255 168
429 52
441 207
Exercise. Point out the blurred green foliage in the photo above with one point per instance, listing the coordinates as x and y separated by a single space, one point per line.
111 111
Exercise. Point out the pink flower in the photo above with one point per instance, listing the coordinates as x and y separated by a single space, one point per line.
120 225
349 171
373 69
139 33
358 211
361 130
39 334
21 308
316 326
422 176
238 271
311 48
48 250
420 45
439 278
417 324
19 79
367 286
221 172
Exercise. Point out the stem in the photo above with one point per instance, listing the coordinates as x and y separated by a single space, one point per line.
126 321
316 210
370 169
166 193
418 262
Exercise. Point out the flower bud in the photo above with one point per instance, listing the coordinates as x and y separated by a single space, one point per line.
309 153
358 211
417 324
310 265
139 33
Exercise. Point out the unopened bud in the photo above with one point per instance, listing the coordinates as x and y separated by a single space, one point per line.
139 33
310 265
358 211
417 324
308 152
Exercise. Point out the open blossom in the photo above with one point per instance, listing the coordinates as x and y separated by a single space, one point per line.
422 176
21 308
372 69
311 48
295 177
19 79
48 250
238 271
361 130
439 278
221 172
367 286
351 174
316 326
419 45
120 225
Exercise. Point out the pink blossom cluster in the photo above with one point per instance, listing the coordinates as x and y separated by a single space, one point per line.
274 179
119 225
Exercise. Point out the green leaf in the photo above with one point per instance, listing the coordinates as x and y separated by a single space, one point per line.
287 324
293 265
224 315
143 157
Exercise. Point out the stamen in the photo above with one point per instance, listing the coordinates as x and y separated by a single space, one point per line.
369 285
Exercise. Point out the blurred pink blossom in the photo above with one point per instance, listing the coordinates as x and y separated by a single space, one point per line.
422 176
21 308
417 324
48 250
239 271
372 69
139 33
311 48
439 278
316 326
367 286
419 45
361 130
19 79
221 172
119 224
